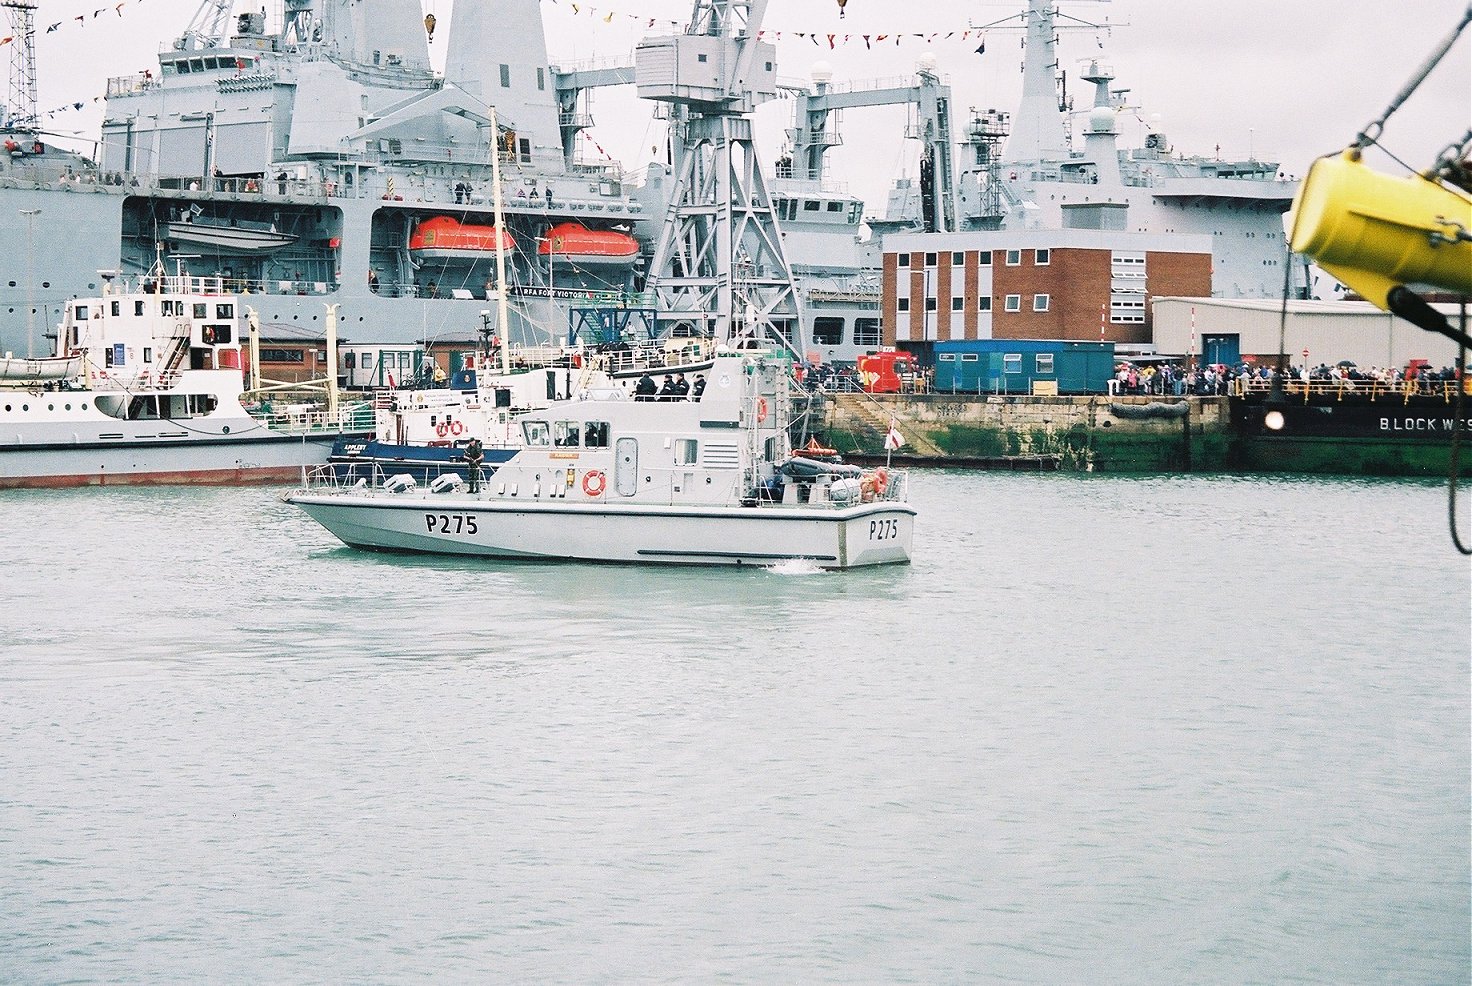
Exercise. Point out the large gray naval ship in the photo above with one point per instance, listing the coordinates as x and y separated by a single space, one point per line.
314 158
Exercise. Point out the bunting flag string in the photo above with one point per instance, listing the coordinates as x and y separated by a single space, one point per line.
818 38
608 16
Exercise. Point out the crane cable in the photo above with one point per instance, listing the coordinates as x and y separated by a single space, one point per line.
1371 134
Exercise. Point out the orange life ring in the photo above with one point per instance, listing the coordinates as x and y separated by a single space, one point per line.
761 409
442 429
594 482
456 428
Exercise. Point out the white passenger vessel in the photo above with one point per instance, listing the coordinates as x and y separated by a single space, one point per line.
709 480
146 386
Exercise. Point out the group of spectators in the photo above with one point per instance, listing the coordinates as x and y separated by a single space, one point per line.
1220 379
675 388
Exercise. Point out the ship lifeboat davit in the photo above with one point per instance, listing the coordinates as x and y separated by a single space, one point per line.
446 238
579 246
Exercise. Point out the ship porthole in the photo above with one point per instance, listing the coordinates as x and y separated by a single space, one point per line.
225 430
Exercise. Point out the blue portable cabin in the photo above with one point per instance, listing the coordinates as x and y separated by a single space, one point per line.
1012 366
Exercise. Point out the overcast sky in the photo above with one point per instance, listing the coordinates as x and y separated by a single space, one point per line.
1283 80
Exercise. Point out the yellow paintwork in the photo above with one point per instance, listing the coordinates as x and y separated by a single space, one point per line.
1374 232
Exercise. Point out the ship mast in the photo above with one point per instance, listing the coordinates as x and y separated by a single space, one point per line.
20 103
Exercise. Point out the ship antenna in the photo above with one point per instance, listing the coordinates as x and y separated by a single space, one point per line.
20 108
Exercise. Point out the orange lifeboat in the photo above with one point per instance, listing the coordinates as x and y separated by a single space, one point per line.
446 238
575 244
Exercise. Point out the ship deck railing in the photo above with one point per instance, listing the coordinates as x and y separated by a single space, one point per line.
314 419
1346 389
658 487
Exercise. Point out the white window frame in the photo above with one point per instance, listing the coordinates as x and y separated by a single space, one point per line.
1040 302
1013 303
984 303
1014 258
1042 257
1043 363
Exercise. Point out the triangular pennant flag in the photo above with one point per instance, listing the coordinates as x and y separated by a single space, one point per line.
867 45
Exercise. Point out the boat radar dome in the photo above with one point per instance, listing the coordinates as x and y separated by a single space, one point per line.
822 72
1101 120
927 63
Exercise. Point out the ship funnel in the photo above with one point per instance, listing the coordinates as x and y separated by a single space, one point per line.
1375 232
498 52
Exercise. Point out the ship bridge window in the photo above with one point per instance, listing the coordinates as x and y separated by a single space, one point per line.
810 206
535 434
595 434
138 308
81 313
828 331
855 214
201 310
224 311
117 308
835 206
866 332
565 434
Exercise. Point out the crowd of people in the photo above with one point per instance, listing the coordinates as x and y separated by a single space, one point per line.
1220 379
675 388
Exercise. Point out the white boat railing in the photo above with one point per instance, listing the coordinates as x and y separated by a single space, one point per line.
317 420
370 479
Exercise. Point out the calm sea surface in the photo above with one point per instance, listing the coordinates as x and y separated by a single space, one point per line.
1166 730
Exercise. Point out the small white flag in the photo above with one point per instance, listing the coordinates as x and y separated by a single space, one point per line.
894 439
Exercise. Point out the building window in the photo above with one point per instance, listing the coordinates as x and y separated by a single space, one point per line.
283 356
1043 362
904 259
505 76
985 258
984 303
827 331
1039 302
946 358
1042 258
904 304
958 258
930 260
958 304
930 304
1013 303
866 332
1014 258
1011 362
970 358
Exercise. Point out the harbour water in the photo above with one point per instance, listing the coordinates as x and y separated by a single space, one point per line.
1184 729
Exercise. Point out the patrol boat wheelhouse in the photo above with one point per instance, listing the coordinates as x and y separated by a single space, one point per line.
708 481
146 387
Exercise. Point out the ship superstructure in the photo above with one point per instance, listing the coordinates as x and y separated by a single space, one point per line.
312 157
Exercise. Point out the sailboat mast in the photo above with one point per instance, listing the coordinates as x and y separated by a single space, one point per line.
502 318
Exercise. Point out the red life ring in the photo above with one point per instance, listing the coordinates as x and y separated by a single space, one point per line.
442 429
456 428
594 482
761 409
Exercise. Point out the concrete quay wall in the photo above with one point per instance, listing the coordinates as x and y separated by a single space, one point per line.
1096 433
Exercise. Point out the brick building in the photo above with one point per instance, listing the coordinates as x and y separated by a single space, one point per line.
1034 284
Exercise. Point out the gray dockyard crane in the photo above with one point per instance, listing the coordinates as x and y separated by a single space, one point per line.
719 262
